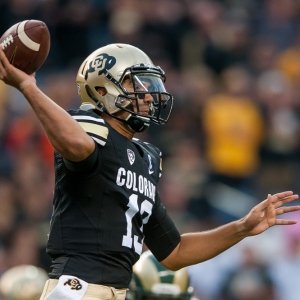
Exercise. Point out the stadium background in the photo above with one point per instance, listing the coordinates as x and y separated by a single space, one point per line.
233 67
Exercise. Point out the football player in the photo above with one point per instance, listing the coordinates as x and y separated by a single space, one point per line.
106 200
152 281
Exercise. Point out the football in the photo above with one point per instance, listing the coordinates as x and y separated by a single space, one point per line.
26 45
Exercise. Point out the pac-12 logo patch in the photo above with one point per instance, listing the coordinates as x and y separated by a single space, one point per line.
131 156
100 63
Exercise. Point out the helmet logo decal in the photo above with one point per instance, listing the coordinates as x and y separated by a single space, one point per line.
131 156
100 64
74 284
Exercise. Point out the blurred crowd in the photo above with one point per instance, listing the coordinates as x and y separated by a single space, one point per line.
233 67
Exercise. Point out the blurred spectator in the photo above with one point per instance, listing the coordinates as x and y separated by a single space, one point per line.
8 214
250 281
277 21
288 62
262 56
234 129
288 263
241 272
71 31
280 149
182 180
222 40
24 237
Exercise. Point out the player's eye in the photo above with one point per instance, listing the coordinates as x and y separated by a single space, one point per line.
138 87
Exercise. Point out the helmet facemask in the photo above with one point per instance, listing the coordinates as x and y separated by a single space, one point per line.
145 82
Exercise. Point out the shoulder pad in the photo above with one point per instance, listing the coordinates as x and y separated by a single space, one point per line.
92 124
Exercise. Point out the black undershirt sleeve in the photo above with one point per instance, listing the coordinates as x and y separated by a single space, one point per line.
161 234
86 165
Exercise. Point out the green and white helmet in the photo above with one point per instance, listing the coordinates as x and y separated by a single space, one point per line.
152 280
107 67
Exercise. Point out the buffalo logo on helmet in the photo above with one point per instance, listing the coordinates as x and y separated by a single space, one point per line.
74 284
101 63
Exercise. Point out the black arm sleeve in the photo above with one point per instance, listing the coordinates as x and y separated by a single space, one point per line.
86 165
161 234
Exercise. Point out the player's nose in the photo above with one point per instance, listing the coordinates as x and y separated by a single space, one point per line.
148 98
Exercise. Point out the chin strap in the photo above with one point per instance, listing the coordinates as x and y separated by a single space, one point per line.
137 125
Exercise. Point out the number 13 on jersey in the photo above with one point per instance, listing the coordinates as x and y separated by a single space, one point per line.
130 240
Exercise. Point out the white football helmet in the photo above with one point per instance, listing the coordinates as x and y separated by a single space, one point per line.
24 282
107 67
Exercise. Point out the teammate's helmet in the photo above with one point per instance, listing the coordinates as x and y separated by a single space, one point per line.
24 282
107 67
151 280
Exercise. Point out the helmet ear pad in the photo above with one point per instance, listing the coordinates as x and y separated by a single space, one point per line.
101 90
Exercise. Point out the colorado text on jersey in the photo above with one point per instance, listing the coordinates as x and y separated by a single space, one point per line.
140 184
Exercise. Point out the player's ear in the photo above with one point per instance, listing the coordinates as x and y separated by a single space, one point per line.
101 90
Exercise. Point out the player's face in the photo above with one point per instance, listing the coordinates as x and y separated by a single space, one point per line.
145 101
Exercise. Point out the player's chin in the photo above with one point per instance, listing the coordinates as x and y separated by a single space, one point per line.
144 110
144 113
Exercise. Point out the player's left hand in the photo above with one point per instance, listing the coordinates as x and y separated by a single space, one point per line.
264 215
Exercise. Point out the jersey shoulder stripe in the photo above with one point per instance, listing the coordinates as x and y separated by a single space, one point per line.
92 124
95 129
97 138
89 119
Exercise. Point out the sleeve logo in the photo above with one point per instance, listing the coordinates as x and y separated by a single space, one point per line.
150 165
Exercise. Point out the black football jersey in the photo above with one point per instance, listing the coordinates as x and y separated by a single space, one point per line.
106 206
